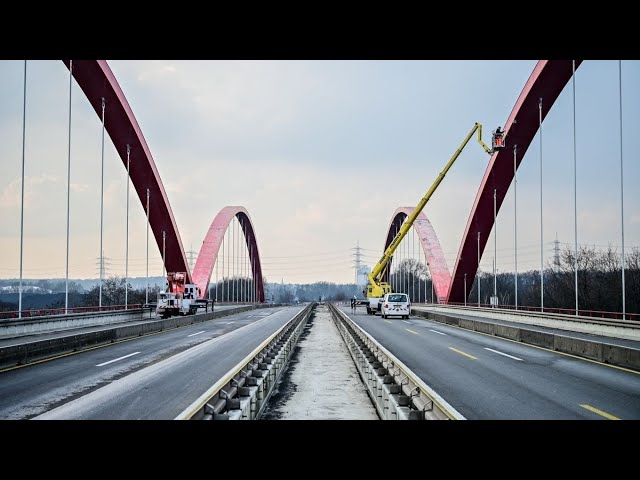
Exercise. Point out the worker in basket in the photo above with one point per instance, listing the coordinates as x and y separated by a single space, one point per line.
498 141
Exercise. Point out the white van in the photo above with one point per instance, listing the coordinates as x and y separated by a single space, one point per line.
396 304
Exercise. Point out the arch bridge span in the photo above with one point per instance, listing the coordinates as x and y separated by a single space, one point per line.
436 262
210 248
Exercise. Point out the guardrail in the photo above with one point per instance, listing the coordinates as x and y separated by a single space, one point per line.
34 350
19 327
243 392
631 324
44 312
563 311
397 392
622 356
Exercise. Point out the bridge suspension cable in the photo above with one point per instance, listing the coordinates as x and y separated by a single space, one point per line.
66 275
24 118
575 184
624 311
541 235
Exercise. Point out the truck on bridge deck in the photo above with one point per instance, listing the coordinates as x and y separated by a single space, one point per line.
179 298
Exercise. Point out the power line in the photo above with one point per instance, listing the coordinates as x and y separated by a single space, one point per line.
357 261
106 265
190 260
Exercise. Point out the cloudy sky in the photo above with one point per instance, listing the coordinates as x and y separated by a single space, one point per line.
321 153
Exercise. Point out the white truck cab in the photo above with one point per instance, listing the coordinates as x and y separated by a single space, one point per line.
179 303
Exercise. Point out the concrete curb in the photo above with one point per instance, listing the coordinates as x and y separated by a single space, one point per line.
26 326
41 349
603 352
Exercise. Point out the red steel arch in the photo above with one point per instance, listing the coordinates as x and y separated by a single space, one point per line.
437 264
211 245
96 80
548 79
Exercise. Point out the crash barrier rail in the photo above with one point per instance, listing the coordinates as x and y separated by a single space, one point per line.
565 312
28 350
601 351
44 312
628 329
397 392
243 392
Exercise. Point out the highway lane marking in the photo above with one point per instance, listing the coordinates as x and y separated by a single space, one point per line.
116 359
463 353
415 333
435 331
600 412
502 353
388 321
229 323
539 348
197 333
407 321
88 349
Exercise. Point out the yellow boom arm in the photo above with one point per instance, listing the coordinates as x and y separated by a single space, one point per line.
376 287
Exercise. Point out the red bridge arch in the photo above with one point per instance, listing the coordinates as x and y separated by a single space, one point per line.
211 245
96 80
548 79
436 261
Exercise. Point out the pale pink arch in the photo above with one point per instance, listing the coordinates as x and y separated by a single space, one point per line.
211 245
436 261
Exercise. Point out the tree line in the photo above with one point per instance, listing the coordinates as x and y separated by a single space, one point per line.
599 285
599 282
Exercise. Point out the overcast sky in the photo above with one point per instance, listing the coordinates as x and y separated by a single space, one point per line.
321 153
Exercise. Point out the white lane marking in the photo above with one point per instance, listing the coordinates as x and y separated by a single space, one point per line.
197 333
435 331
407 321
505 354
232 321
116 359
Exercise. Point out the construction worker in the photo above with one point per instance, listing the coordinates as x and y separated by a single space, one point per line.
497 138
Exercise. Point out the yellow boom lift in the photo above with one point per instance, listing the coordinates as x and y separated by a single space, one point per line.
377 288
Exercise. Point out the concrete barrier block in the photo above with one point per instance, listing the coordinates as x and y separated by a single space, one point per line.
578 346
536 338
507 332
129 331
45 348
484 327
449 320
623 356
464 323
19 354
150 327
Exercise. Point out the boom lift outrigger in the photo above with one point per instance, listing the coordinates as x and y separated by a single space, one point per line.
377 288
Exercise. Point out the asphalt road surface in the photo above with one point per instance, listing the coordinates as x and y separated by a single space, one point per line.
484 377
151 377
